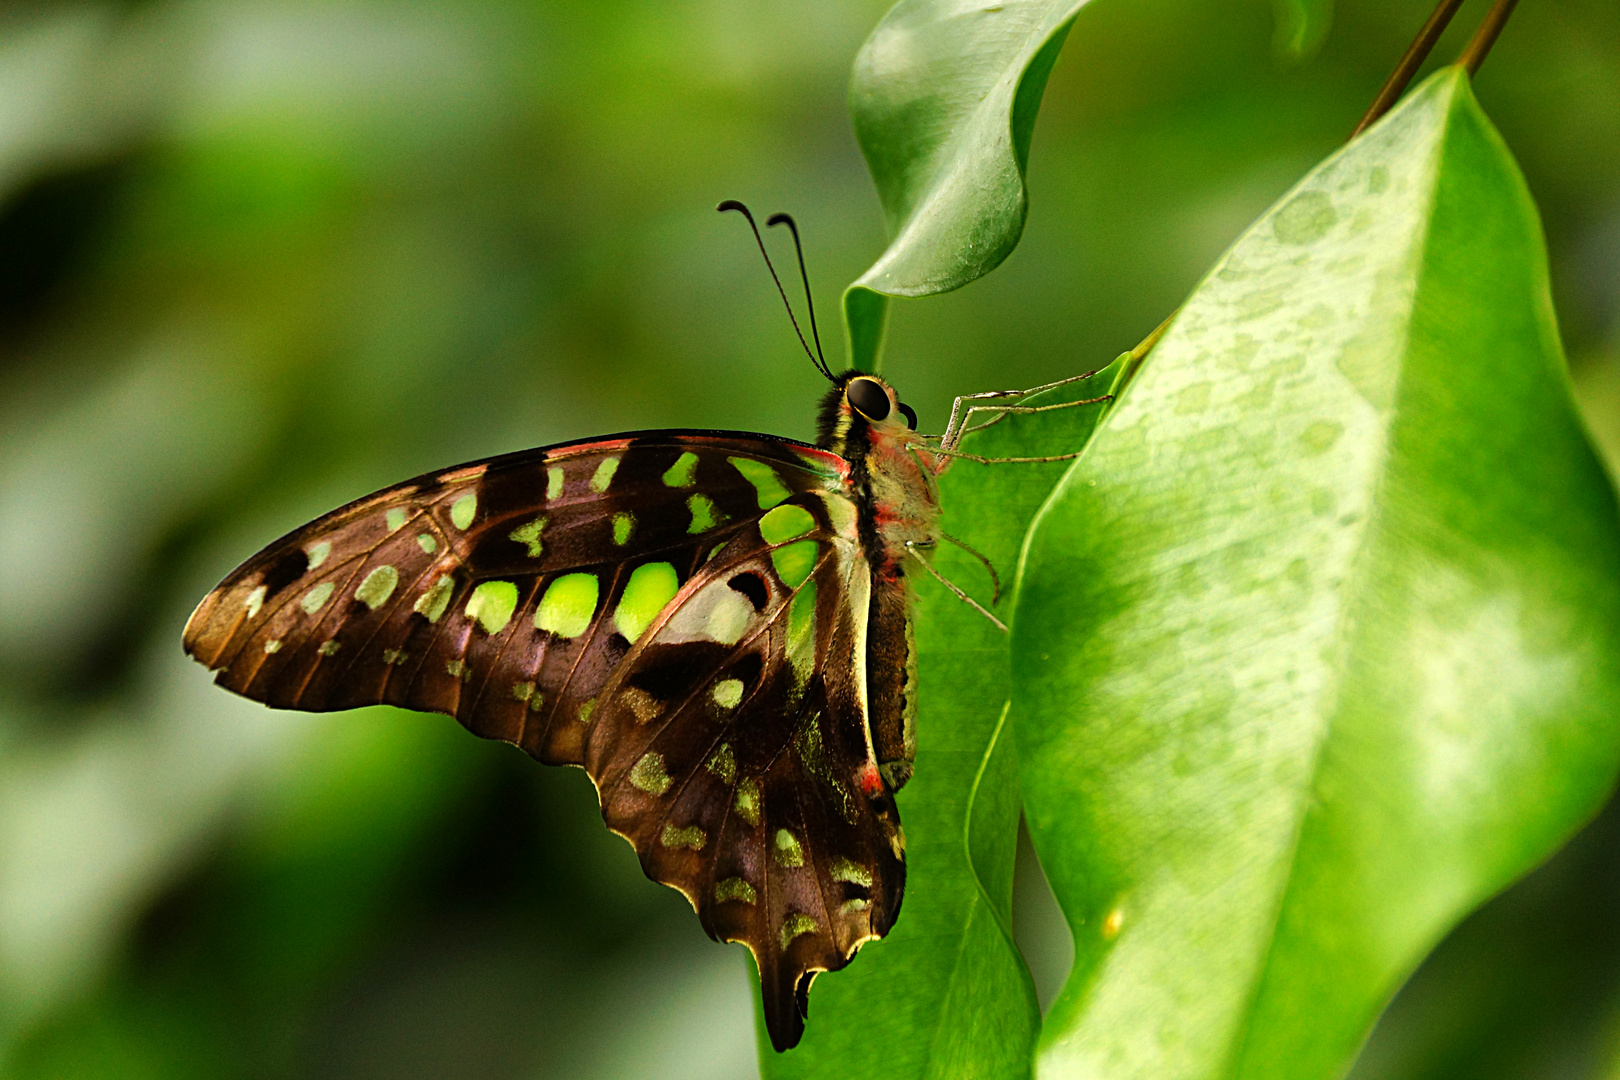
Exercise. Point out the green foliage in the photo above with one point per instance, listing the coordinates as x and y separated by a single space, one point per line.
944 102
1315 650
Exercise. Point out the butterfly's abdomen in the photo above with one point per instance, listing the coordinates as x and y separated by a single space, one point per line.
891 665
902 508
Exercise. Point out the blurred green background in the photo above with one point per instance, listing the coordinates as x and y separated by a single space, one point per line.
259 257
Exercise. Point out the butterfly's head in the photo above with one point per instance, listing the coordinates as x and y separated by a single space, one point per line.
859 402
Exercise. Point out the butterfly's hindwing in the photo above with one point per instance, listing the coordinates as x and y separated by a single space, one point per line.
731 749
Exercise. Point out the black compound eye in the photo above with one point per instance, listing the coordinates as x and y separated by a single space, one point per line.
868 397
910 415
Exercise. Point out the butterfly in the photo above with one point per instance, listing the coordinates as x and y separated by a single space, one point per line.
715 625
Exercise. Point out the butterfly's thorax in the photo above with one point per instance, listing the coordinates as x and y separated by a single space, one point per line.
901 495
892 477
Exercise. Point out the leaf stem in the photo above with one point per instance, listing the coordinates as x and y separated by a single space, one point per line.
1134 358
1480 45
1416 53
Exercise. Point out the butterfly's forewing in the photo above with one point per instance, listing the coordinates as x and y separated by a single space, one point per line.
683 613
495 591
732 750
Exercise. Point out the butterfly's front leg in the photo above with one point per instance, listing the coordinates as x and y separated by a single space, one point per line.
958 421
961 420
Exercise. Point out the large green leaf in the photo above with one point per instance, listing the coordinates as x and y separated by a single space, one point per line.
946 994
944 97
1319 646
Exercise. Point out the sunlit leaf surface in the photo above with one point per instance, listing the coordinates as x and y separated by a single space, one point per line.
1317 648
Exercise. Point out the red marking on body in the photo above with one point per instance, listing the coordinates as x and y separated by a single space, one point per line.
908 448
870 780
823 461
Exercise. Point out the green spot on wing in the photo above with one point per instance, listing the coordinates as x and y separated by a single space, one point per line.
844 870
691 837
568 606
705 515
554 481
795 925
801 645
492 604
624 523
734 888
723 764
396 519
318 553
317 597
766 483
683 472
785 523
727 693
426 542
788 852
431 604
648 774
529 536
747 801
464 509
794 562
604 474
378 586
651 586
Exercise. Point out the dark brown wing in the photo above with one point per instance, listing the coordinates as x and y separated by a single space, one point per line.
496 591
682 613
732 750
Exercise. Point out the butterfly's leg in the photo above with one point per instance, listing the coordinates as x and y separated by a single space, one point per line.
995 578
1007 460
968 430
952 432
911 549
1061 382
954 428
1004 411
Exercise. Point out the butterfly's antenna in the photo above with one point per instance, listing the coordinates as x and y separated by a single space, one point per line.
809 301
733 204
